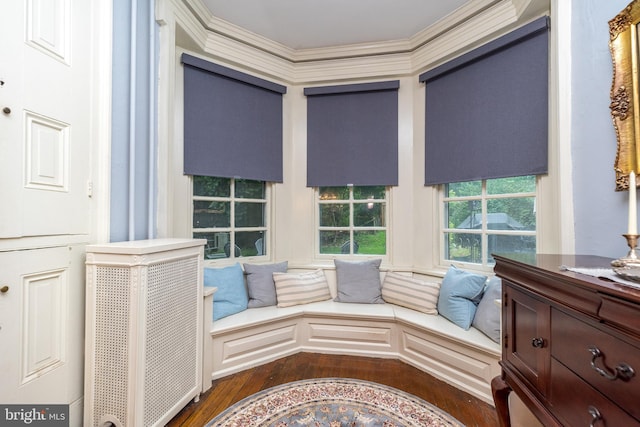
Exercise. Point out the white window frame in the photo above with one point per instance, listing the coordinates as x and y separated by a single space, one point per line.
232 229
484 232
351 228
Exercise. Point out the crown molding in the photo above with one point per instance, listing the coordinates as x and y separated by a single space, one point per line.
466 28
478 29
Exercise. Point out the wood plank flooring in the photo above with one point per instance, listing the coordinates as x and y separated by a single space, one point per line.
228 390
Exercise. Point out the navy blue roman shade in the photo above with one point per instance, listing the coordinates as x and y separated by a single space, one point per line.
352 134
232 123
486 112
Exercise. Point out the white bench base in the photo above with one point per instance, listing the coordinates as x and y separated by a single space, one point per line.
467 360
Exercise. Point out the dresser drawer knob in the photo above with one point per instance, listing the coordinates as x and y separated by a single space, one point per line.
622 371
595 415
537 342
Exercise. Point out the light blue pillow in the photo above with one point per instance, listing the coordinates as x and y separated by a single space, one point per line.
459 295
231 296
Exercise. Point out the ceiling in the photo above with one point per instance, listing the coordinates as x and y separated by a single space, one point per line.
308 24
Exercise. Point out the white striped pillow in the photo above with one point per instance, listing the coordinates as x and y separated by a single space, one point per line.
411 293
301 288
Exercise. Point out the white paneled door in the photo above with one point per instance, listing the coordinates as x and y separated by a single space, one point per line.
47 113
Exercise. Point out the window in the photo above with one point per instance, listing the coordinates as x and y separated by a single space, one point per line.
489 216
231 215
352 220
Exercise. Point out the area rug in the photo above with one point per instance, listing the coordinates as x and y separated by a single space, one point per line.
333 402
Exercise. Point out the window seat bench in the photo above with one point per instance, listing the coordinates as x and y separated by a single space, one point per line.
466 359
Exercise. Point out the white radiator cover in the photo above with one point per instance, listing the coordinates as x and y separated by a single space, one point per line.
143 331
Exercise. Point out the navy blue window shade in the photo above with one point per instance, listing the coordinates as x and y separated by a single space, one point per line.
232 123
352 134
486 112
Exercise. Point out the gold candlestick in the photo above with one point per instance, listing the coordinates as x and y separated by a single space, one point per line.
631 260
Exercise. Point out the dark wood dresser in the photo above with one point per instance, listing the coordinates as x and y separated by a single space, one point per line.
570 342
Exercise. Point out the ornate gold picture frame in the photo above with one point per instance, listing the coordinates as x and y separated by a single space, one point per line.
625 99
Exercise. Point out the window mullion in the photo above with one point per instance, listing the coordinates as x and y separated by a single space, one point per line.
484 240
351 220
232 220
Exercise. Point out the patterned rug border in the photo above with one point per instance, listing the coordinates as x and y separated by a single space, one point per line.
357 398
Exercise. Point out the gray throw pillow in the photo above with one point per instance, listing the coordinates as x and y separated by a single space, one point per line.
260 284
487 318
358 281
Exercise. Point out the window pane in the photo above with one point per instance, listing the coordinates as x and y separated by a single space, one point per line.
208 214
370 242
211 186
334 242
249 214
376 193
464 214
334 215
334 193
368 215
246 189
511 214
516 184
215 244
250 243
500 244
463 189
463 247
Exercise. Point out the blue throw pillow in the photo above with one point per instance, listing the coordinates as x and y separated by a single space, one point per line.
460 293
231 296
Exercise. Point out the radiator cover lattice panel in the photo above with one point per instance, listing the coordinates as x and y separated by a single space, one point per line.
170 343
112 344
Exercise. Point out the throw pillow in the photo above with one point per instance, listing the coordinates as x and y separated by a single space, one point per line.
459 292
358 281
301 288
231 296
487 318
411 293
260 285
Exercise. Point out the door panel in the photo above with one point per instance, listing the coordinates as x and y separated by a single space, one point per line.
45 139
38 361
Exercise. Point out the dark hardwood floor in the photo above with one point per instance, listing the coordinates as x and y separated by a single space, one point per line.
228 390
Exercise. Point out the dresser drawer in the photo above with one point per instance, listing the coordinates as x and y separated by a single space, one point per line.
574 342
575 403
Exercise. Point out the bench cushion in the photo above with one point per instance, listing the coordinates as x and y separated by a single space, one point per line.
350 310
439 325
252 317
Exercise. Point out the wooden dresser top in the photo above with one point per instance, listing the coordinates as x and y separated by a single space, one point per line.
550 265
